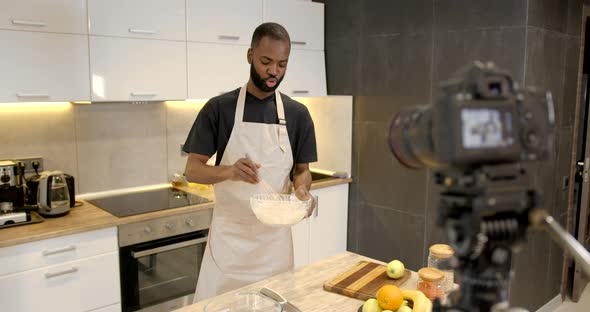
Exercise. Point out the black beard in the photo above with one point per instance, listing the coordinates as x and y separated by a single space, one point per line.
261 83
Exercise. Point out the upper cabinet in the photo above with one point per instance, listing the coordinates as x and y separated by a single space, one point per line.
151 19
223 21
303 20
43 67
56 16
214 69
306 74
137 69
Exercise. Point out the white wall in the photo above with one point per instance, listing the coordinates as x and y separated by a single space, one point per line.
109 146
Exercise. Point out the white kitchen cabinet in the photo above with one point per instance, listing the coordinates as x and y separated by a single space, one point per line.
75 286
78 272
300 232
303 20
306 74
324 233
124 69
223 21
151 19
43 67
214 69
56 16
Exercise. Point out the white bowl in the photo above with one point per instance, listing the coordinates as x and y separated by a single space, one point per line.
280 209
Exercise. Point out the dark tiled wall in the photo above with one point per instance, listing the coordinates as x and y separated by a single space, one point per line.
392 54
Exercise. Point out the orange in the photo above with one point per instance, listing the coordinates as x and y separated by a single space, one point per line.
390 297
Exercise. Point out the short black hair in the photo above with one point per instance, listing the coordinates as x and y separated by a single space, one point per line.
273 30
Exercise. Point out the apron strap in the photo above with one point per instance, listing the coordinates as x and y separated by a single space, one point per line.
239 117
280 108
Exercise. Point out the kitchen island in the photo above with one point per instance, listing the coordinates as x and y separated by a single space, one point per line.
304 287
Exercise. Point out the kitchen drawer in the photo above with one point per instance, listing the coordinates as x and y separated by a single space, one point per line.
57 16
58 250
151 19
223 21
124 69
39 67
75 286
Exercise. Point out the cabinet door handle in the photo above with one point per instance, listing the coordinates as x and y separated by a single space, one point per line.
60 273
316 211
298 42
141 31
58 251
144 93
300 91
226 37
28 23
37 95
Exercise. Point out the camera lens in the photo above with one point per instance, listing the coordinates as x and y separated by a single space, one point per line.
410 138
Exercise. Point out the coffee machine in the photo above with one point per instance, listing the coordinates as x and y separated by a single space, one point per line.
12 185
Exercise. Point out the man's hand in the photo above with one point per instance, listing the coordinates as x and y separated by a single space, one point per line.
244 170
303 194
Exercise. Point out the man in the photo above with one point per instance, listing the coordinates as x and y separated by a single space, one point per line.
258 135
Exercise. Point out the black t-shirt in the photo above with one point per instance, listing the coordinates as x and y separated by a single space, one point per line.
212 128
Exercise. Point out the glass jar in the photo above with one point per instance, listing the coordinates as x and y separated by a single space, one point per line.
439 257
430 283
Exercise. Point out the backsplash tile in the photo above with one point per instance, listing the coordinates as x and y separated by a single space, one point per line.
120 145
45 130
180 117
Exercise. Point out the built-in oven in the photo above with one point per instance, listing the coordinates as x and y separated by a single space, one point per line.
160 255
161 274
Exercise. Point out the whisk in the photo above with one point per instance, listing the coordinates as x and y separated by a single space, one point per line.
267 187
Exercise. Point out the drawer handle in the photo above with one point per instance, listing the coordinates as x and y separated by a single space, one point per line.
60 273
28 23
300 91
37 95
144 93
141 31
153 251
298 42
58 251
316 211
226 37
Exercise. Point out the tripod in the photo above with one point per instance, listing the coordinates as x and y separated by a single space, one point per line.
486 213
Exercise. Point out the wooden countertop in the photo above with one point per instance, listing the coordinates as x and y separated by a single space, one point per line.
304 287
89 217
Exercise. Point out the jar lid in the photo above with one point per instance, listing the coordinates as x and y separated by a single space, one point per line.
441 251
430 274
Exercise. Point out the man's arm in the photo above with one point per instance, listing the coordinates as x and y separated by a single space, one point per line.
302 184
198 171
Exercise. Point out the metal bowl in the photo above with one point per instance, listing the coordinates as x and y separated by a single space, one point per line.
243 302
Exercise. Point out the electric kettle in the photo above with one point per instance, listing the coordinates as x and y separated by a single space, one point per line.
53 196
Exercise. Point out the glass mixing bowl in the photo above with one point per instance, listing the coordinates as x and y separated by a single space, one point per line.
279 209
243 302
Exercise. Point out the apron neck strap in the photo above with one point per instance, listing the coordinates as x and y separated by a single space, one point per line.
239 117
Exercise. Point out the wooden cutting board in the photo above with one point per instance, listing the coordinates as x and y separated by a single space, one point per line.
363 280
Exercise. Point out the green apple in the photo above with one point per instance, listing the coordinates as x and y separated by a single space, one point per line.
395 269
404 308
372 305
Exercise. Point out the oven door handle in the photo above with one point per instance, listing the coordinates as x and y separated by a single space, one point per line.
156 250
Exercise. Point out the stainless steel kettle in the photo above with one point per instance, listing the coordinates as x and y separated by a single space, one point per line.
53 196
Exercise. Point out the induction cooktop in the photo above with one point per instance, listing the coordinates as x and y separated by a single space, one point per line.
134 203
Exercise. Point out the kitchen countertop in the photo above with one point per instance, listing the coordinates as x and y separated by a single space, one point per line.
304 286
88 217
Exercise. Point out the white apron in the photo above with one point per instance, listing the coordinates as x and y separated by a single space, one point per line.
241 250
